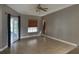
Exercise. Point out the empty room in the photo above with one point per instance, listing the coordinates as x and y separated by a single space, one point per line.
39 28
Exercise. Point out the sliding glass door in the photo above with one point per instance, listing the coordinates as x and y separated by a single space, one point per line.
14 29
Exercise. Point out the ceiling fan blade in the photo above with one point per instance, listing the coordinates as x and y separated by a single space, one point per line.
45 8
41 8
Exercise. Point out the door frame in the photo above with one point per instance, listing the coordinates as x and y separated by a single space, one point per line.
9 29
44 27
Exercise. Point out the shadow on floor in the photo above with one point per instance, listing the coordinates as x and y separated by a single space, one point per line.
6 51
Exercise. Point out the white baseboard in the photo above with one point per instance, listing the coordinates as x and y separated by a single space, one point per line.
69 50
30 36
4 48
60 40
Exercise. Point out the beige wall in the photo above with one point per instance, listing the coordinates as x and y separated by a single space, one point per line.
64 24
0 26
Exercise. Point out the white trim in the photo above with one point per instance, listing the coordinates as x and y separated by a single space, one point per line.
69 50
30 36
60 40
4 48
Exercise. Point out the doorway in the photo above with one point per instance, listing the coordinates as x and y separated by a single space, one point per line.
44 27
13 29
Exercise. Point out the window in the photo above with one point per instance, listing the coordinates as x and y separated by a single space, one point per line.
32 29
32 26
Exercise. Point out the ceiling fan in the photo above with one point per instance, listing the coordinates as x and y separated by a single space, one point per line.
40 8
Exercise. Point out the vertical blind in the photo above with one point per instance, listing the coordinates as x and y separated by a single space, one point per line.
32 23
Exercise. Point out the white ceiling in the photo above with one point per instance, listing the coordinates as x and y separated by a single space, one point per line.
30 9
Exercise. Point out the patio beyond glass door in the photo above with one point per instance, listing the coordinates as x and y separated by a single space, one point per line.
14 29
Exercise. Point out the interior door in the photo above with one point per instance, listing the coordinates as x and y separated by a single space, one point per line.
44 27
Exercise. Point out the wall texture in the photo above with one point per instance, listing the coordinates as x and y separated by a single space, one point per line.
64 24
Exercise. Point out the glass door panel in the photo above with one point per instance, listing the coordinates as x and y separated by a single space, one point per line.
14 29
